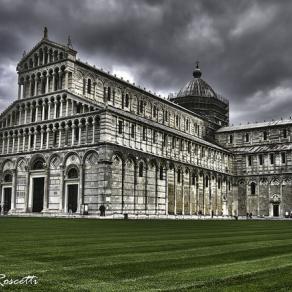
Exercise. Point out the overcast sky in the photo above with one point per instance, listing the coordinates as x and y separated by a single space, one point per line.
244 47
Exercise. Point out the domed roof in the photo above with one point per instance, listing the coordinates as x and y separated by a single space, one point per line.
197 86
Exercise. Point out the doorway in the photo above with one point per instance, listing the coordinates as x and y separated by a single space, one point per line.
72 192
38 194
276 210
7 199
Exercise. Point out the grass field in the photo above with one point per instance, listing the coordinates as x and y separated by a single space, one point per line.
108 255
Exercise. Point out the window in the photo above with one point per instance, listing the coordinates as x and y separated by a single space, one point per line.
271 158
261 160
38 164
284 133
283 157
161 173
229 185
253 188
166 116
189 147
164 142
193 179
173 143
154 111
187 125
207 181
31 140
154 136
141 106
133 131
178 176
181 145
177 121
265 135
127 100
8 177
144 135
219 183
246 137
73 173
89 86
249 160
141 168
55 138
231 139
109 93
121 125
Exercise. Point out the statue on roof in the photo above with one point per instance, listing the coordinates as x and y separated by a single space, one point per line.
45 32
69 44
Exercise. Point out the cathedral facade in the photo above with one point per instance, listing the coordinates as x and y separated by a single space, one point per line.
78 138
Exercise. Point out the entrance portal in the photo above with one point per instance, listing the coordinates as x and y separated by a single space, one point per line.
7 199
72 197
38 194
276 210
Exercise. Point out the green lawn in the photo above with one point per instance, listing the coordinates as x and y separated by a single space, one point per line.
118 255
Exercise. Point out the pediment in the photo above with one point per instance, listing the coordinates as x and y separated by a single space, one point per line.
43 53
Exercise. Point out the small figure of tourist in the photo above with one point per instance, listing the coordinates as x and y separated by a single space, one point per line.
102 210
212 214
247 216
250 215
70 209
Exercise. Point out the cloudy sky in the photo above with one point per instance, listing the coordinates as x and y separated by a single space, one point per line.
244 47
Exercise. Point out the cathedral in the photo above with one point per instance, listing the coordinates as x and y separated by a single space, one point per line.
79 139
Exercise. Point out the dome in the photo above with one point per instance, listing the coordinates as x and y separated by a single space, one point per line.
197 86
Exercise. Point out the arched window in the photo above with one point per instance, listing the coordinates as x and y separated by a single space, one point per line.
73 173
8 177
178 176
127 100
89 86
141 169
161 173
253 188
38 164
265 135
246 137
231 139
207 181
193 179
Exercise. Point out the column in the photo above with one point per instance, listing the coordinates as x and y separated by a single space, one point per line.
36 112
47 83
60 80
8 140
55 109
80 133
60 136
23 142
29 140
29 87
94 88
25 114
3 145
61 108
19 116
13 142
43 111
73 128
2 199
49 110
18 142
86 135
93 131
67 105
80 188
48 137
66 134
35 139
66 79
61 206
72 104
13 193
46 191
31 112
42 138
19 90
35 86
53 82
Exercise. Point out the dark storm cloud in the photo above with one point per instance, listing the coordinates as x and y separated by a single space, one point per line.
243 46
